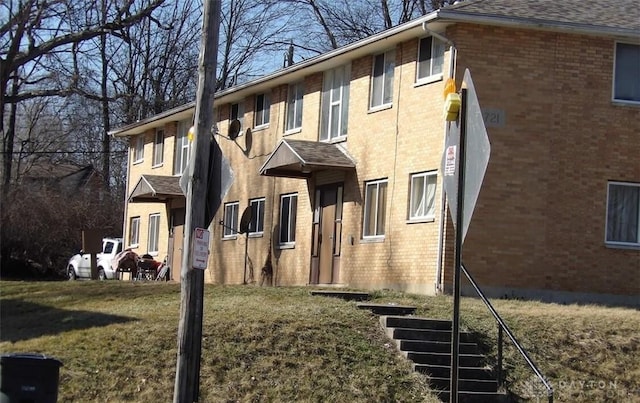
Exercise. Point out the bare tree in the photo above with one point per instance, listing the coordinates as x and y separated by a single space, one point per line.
153 64
33 42
253 33
329 24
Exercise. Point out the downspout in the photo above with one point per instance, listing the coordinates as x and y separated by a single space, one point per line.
125 242
443 210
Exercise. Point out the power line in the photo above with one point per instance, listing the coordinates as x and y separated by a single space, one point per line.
64 152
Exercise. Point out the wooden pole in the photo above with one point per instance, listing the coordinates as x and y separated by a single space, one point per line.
187 384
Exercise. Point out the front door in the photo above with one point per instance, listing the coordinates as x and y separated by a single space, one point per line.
327 231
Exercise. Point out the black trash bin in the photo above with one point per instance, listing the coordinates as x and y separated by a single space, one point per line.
28 378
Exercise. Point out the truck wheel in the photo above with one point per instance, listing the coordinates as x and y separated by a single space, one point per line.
101 275
71 273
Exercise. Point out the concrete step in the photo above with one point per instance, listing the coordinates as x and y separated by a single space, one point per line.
388 309
476 397
465 360
444 371
346 295
435 346
427 335
410 322
466 385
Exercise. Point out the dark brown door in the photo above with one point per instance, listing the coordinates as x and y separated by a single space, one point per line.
176 240
175 255
327 228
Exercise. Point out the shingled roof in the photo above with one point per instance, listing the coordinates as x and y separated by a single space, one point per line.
298 158
612 15
153 188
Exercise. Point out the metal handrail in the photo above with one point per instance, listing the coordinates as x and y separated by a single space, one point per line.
503 326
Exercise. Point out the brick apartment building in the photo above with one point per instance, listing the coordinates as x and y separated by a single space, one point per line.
339 158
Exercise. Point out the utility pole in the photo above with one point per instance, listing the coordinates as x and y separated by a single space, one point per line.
187 384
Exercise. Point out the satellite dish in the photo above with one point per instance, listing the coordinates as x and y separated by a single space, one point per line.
245 220
234 129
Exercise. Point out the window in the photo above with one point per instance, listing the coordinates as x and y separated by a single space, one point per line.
375 206
262 110
237 113
335 103
627 73
182 147
382 79
423 196
256 226
623 214
230 220
288 208
158 148
294 107
138 152
430 58
134 231
154 233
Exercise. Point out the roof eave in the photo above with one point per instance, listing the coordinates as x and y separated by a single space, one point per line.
289 74
518 22
170 115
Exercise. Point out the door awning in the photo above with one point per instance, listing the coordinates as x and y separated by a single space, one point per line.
299 158
155 188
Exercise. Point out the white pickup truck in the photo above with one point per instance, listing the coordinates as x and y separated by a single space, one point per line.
79 265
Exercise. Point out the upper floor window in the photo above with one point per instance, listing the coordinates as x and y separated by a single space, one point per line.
262 110
294 107
423 196
158 148
237 113
382 79
626 80
181 154
430 59
335 103
230 227
288 212
256 226
623 214
375 208
154 233
138 151
134 231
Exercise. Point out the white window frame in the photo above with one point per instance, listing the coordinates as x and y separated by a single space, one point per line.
287 232
154 234
182 147
256 226
158 148
295 97
138 149
262 112
631 69
334 114
434 64
381 92
422 199
613 217
134 231
379 228
236 111
230 220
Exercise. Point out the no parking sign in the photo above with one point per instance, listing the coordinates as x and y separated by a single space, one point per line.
200 248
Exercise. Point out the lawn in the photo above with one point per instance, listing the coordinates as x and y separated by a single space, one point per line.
117 342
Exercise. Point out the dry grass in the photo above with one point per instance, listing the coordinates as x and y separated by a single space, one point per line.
117 341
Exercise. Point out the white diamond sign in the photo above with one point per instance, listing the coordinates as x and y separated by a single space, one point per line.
477 151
